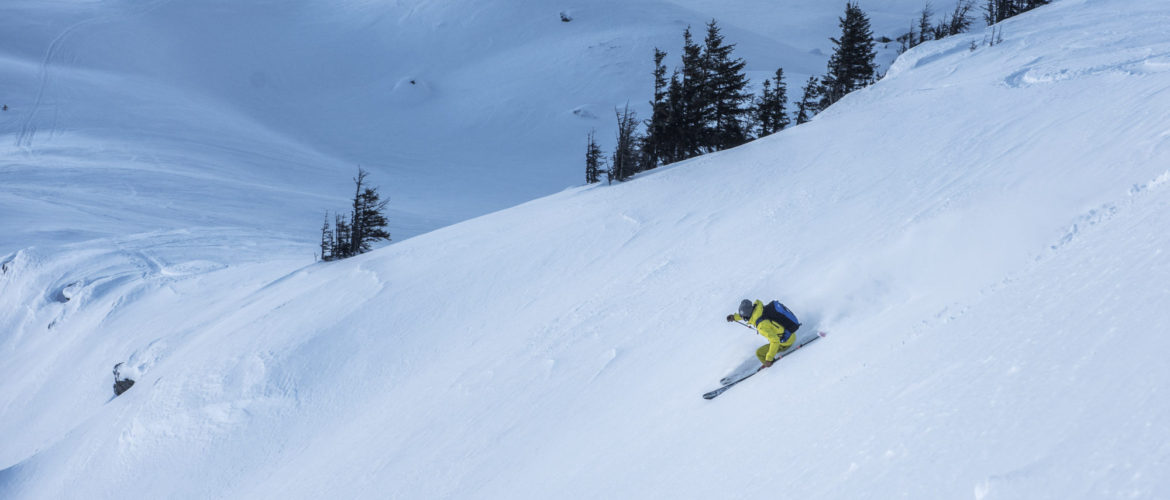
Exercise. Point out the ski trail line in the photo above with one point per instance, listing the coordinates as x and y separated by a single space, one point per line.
28 127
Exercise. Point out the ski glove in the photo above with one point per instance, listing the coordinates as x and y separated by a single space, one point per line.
730 318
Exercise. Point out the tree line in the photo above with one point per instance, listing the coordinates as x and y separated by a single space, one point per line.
998 10
704 106
924 28
958 21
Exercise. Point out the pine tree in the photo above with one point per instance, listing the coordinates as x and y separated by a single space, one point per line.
341 238
780 111
809 102
643 159
365 225
998 10
593 159
852 65
371 219
725 93
960 20
625 154
326 239
692 99
772 109
906 40
355 228
368 220
924 29
656 127
672 147
762 113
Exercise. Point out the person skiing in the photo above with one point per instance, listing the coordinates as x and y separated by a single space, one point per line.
767 322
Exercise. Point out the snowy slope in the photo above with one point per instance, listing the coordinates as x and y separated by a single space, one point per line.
981 232
459 108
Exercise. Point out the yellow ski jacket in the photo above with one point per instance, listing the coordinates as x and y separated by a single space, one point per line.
771 330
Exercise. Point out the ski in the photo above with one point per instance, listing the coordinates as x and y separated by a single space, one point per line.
734 377
740 376
728 382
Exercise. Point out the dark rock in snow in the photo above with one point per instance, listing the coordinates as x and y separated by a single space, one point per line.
121 382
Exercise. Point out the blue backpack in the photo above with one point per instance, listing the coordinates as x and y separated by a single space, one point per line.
775 311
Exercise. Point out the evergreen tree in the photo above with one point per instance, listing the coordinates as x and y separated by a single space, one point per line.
655 147
371 219
692 100
780 97
625 154
593 159
365 225
643 159
326 239
772 109
672 147
355 228
762 113
809 102
725 93
341 234
924 29
852 65
998 10
960 20
907 40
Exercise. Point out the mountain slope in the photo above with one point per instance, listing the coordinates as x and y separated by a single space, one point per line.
992 273
458 108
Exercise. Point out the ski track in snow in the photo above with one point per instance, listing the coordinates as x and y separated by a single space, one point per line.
1108 211
53 55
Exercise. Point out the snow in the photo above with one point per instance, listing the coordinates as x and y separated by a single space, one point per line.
982 232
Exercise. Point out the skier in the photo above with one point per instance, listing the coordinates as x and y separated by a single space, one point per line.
767 321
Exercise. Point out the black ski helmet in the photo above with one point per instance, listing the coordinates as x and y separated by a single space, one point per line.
745 309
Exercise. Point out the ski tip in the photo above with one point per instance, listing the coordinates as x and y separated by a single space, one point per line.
822 333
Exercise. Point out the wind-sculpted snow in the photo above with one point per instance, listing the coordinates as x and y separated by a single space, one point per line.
982 232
